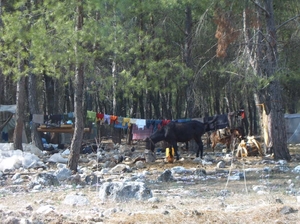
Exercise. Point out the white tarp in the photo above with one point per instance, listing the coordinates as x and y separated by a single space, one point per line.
8 108
11 159
292 122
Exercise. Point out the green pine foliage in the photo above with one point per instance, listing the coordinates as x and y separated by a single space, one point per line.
145 40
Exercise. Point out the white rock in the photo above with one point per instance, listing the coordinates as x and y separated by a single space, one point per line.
262 192
234 177
16 176
66 152
140 164
259 188
221 164
57 158
32 149
63 174
124 191
78 200
45 209
180 170
154 200
119 168
296 169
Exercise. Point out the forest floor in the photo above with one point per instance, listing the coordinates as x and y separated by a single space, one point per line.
267 195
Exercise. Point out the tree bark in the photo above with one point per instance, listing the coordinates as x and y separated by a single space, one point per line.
277 127
1 75
78 107
188 59
34 109
1 87
19 115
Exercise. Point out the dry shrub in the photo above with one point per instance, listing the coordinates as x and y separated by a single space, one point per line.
225 33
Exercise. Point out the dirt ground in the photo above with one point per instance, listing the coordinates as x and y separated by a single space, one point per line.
213 199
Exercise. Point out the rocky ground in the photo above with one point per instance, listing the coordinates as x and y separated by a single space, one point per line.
111 188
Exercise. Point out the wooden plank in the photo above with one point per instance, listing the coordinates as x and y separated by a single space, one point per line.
60 130
61 126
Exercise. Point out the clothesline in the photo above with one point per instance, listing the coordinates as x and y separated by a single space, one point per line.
141 128
123 122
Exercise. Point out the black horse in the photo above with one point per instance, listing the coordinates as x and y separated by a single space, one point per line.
180 132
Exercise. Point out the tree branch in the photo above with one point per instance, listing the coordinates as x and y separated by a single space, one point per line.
258 5
287 21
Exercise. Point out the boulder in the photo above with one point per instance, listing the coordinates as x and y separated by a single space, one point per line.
124 191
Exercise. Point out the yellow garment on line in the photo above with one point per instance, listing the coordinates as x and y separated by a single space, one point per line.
126 120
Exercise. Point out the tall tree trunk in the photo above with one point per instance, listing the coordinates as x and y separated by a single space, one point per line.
254 57
78 107
70 96
135 103
1 86
141 105
188 59
1 75
276 120
19 115
59 95
34 109
114 85
114 68
49 95
156 102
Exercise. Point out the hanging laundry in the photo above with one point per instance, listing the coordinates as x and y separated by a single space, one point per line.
120 120
126 120
183 120
113 119
165 122
120 125
133 120
38 118
106 119
155 123
141 134
91 115
140 123
99 116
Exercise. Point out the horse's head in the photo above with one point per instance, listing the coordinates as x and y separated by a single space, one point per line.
238 132
150 144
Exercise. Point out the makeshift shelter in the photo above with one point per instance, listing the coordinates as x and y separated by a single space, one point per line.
9 125
292 122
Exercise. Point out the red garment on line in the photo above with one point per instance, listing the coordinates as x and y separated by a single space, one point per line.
99 116
165 122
